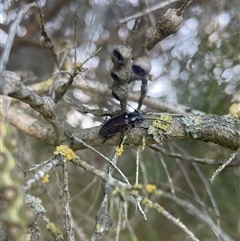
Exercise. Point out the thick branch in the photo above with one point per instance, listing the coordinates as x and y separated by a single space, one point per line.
26 123
44 105
221 130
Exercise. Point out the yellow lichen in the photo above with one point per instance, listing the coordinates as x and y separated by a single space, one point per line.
163 122
158 192
134 192
116 191
161 125
166 118
66 152
79 67
150 188
98 228
45 178
158 207
119 150
146 202
235 110
54 230
137 186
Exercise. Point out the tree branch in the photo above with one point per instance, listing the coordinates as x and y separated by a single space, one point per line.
188 158
66 201
12 32
221 130
97 88
26 123
44 105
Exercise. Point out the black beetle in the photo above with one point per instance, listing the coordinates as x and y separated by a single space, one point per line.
118 123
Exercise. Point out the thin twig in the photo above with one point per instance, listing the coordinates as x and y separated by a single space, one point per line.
149 10
168 175
51 163
206 184
191 209
189 158
77 69
104 157
137 165
102 175
208 189
176 221
37 166
119 224
188 179
12 32
103 220
46 42
104 90
80 232
66 203
136 180
85 110
224 165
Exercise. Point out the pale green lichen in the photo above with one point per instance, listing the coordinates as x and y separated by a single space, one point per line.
193 125
35 203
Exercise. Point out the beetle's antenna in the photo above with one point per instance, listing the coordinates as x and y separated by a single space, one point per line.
131 106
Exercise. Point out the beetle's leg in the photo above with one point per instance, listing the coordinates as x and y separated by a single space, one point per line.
125 133
105 139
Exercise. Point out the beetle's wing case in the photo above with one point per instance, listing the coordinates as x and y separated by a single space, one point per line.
114 125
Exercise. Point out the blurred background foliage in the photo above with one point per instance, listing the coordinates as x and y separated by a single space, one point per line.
198 67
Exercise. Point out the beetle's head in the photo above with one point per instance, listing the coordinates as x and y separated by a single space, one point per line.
134 116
